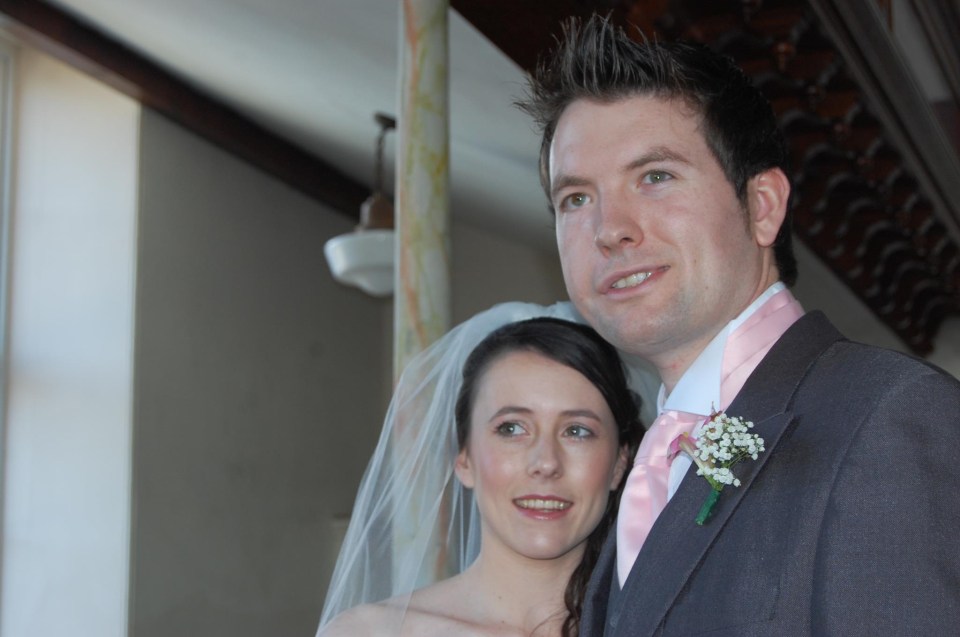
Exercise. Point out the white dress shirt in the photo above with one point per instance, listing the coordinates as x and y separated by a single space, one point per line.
698 390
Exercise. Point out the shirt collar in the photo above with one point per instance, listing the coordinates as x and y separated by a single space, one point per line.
698 390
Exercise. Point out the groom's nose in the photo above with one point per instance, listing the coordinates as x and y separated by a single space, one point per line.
617 224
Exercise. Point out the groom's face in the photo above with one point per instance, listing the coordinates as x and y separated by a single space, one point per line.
658 252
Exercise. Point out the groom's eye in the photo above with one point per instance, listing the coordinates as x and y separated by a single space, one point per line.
574 201
657 177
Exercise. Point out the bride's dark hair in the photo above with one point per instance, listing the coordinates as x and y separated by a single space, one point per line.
582 349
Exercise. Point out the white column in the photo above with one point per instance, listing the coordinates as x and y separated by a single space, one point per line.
422 285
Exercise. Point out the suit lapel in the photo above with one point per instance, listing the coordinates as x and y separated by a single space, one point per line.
676 545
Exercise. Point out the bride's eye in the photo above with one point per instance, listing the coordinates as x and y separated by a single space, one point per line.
579 431
509 428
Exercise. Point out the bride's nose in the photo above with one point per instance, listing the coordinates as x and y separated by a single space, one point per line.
545 458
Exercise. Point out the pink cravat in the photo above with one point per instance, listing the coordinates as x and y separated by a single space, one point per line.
749 343
645 493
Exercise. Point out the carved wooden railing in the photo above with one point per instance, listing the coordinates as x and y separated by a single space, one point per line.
873 197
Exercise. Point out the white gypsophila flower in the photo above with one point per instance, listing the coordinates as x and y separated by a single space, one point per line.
722 442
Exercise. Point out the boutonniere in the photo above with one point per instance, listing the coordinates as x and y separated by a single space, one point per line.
722 443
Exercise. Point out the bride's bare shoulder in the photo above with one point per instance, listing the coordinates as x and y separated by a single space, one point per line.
373 620
435 610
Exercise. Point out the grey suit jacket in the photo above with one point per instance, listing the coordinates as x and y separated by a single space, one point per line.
848 524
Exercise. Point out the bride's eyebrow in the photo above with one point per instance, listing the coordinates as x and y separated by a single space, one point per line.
511 409
567 413
580 413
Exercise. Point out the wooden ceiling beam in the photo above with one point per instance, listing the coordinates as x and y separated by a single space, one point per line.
526 30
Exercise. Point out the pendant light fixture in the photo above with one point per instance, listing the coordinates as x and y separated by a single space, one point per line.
364 258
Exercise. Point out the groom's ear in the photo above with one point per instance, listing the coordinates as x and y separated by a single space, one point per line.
768 194
463 469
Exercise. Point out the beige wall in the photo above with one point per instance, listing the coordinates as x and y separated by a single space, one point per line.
489 269
254 372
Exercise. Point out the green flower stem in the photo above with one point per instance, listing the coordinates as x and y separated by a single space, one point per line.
707 507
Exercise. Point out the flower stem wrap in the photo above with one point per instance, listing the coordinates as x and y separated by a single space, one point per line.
707 507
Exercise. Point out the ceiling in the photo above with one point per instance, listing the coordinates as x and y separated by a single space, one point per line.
316 71
304 79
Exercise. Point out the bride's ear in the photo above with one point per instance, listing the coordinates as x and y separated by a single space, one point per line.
463 469
620 468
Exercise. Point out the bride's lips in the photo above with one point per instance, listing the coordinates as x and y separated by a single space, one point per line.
542 506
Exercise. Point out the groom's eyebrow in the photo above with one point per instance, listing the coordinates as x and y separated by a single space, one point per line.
656 155
566 181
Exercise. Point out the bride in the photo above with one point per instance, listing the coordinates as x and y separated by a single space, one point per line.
521 451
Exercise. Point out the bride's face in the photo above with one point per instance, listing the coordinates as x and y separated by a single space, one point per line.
541 456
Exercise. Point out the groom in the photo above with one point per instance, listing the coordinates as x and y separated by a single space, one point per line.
664 167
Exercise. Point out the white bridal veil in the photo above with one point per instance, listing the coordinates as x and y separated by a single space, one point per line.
409 497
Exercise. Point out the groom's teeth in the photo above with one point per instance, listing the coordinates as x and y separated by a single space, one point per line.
632 280
536 503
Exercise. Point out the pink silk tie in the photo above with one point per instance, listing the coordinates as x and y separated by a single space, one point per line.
749 343
645 493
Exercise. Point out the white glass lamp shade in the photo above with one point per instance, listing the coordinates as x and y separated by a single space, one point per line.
363 259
